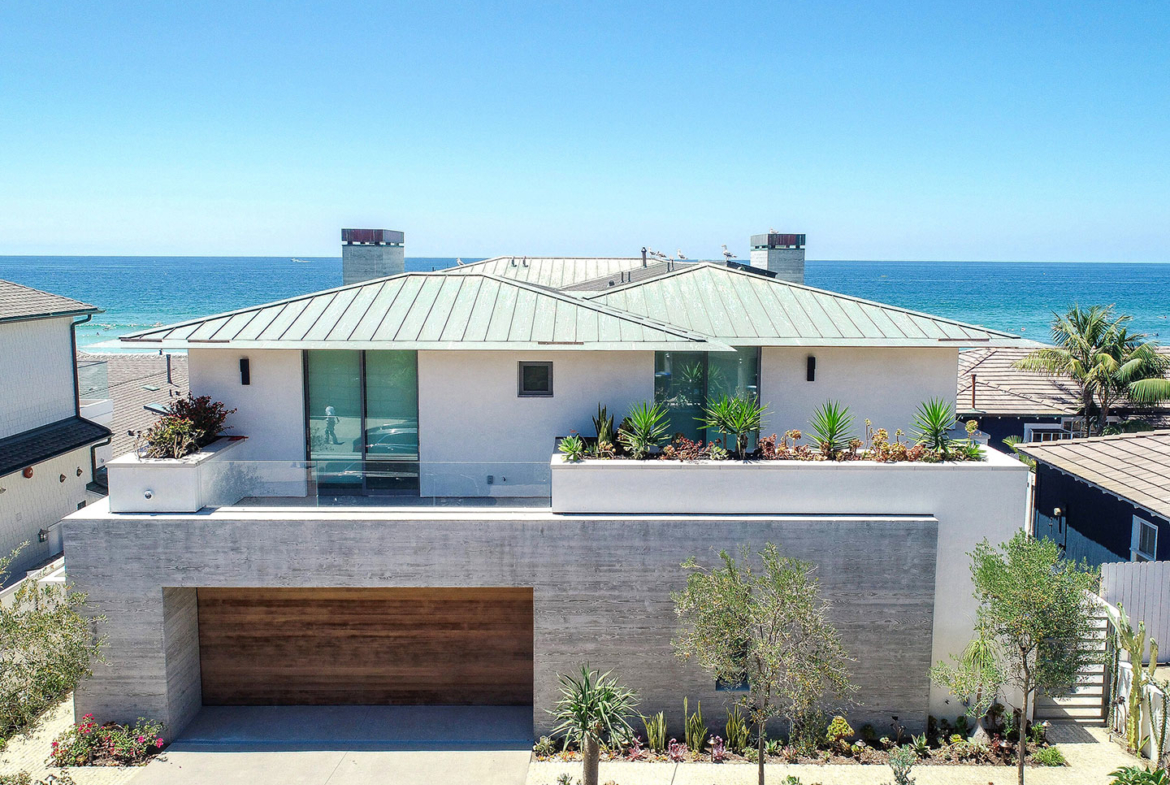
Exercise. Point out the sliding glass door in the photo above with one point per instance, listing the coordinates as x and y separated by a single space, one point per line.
362 428
685 381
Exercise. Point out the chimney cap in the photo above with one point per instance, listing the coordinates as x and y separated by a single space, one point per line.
371 236
777 240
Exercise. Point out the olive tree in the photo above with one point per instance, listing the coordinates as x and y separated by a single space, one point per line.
46 647
765 627
1035 611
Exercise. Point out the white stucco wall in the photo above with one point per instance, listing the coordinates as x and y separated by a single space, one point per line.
270 410
971 501
29 504
470 414
884 385
36 374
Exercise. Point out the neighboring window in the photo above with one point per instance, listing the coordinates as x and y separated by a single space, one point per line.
536 380
1145 540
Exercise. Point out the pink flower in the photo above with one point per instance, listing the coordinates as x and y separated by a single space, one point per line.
158 742
141 739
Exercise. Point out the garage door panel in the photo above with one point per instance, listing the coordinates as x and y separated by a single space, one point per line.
374 646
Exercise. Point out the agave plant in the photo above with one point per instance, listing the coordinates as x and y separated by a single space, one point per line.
832 425
573 447
592 710
740 417
933 422
644 429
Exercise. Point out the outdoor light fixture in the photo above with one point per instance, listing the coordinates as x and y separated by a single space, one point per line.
1056 511
62 478
28 472
43 535
245 371
811 374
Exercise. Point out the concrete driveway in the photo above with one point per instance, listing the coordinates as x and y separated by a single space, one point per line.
354 745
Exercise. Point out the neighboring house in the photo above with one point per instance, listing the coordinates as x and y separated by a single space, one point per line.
397 527
140 387
1107 498
1036 407
46 445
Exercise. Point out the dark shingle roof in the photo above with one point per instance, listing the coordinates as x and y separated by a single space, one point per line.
18 303
1134 466
40 444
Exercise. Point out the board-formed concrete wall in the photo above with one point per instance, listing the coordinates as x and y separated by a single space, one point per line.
601 584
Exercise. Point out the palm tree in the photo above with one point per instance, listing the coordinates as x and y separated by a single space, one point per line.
1105 360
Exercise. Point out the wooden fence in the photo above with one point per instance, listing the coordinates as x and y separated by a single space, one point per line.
1143 588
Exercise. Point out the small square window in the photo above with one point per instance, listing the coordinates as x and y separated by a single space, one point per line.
1145 540
536 380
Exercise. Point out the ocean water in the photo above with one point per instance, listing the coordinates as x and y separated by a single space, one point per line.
140 292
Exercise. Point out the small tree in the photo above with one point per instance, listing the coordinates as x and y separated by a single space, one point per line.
765 628
1034 613
592 709
46 647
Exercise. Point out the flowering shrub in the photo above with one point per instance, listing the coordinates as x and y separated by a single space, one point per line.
193 422
90 744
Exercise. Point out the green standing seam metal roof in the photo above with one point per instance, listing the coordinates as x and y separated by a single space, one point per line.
747 309
551 272
429 311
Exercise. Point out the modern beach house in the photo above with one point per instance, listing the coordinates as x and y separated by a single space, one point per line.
51 422
390 521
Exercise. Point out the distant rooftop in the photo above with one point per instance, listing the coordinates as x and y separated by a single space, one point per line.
1005 391
1133 466
553 272
20 303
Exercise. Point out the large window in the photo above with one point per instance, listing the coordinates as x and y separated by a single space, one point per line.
363 420
685 381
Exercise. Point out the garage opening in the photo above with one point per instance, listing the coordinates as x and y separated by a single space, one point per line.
377 646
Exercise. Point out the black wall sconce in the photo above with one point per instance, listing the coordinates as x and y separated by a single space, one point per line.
811 370
245 371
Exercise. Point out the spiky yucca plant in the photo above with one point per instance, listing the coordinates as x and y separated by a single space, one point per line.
832 424
738 417
592 709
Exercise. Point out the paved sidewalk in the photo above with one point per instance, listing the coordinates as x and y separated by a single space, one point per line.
348 745
1090 753
28 753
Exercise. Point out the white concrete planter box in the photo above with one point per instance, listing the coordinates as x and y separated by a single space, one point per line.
774 487
166 484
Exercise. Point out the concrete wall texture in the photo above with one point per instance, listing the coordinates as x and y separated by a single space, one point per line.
601 584
36 374
365 262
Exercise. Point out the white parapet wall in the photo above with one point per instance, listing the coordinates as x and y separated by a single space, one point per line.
167 484
972 501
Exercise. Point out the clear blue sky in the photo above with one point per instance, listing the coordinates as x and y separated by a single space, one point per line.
911 130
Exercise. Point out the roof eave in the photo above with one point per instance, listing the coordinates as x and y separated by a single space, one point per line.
439 346
32 317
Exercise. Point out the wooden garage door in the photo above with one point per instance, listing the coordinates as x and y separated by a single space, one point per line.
366 646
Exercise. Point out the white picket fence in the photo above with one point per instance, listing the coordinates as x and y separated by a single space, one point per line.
1143 589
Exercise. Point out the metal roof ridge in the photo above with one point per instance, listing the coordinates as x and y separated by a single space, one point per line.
609 310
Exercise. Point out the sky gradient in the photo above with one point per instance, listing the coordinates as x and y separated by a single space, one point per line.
896 130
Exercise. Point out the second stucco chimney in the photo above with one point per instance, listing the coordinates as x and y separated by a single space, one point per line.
782 254
371 253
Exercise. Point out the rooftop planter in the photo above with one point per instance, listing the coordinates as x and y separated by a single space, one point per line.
724 487
139 484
